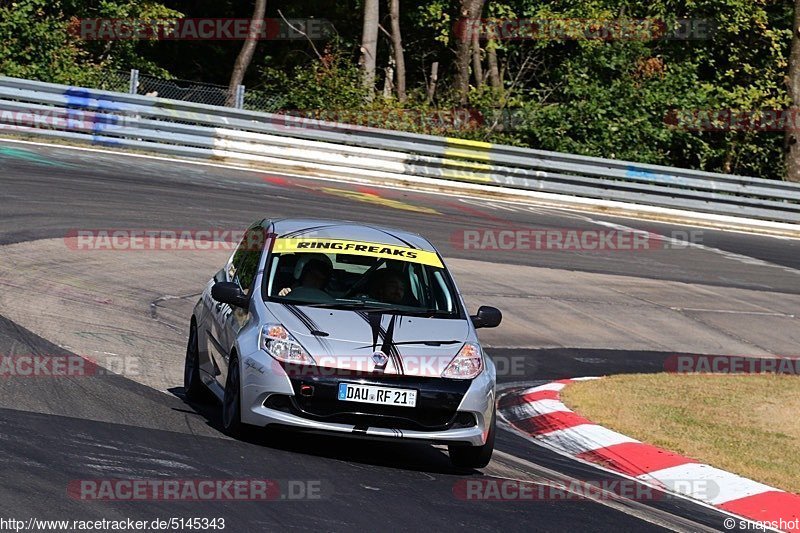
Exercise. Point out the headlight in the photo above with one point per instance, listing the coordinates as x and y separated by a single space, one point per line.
280 344
467 364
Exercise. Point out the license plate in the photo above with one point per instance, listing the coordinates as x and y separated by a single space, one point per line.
353 392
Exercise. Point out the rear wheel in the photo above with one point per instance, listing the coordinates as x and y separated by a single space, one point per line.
193 386
474 456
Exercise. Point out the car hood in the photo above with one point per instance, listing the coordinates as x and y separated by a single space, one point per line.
347 340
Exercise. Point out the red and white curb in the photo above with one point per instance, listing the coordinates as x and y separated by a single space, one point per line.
538 412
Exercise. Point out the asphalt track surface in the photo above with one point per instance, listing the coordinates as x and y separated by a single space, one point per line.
57 430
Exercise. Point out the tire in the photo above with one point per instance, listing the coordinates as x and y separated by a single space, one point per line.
474 456
232 401
193 387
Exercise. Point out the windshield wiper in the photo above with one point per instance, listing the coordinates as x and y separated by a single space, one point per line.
345 304
428 343
416 312
361 305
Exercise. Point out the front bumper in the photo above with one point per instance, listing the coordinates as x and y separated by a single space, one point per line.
470 436
448 411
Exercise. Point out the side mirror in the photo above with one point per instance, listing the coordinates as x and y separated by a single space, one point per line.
487 317
229 293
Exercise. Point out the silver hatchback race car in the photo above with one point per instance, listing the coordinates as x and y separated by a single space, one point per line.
344 328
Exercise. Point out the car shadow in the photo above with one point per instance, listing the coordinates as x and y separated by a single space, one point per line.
414 456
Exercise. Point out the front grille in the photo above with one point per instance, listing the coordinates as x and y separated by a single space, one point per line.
437 403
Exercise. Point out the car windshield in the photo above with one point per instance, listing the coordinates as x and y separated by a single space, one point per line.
355 275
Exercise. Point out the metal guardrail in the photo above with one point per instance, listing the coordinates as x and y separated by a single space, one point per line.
203 131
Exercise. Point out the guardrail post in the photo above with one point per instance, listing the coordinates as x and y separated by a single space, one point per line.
134 84
239 104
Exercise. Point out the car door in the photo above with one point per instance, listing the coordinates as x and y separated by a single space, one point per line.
205 324
227 321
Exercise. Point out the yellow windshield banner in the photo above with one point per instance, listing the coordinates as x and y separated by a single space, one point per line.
370 249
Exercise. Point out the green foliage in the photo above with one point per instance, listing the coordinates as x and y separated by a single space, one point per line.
593 97
35 43
612 101
39 39
332 82
128 54
611 98
435 16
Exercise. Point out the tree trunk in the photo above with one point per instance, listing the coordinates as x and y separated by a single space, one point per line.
793 86
434 79
369 45
494 69
388 86
247 51
477 66
464 37
469 13
397 45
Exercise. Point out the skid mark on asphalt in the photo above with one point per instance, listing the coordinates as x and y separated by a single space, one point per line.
155 305
734 312
358 194
372 198
468 210
519 208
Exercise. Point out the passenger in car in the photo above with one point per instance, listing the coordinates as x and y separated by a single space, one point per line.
315 277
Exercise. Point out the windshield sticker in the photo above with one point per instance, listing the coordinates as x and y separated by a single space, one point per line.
369 249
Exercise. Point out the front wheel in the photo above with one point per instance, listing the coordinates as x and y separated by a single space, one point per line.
474 456
231 401
193 387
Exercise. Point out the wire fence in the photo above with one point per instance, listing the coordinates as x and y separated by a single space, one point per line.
134 82
188 91
118 82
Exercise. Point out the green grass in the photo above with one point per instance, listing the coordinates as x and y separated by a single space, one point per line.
746 424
